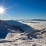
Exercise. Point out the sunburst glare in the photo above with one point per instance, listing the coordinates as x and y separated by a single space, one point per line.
3 10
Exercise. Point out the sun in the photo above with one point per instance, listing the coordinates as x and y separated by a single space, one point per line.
2 10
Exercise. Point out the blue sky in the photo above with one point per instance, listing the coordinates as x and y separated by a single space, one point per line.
24 9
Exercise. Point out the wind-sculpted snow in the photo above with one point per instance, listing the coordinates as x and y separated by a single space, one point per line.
36 35
21 39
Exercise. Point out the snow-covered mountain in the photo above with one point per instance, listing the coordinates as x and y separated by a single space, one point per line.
5 28
23 26
16 34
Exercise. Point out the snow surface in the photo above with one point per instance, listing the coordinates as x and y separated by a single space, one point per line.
24 38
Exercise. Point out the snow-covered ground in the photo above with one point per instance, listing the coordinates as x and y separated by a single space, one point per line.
21 39
26 38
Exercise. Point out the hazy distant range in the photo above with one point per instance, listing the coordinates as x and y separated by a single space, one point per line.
31 19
